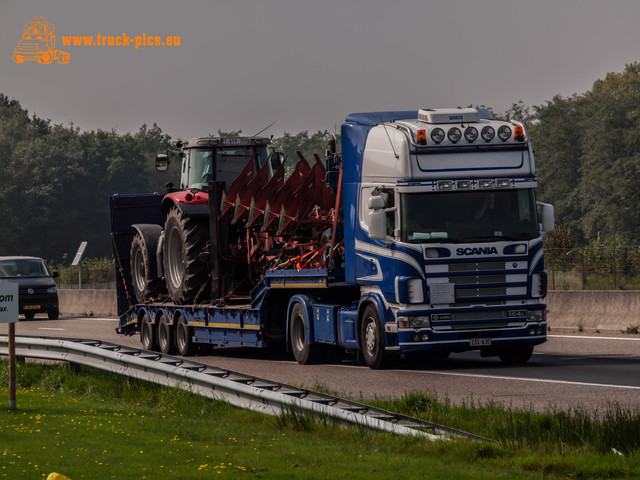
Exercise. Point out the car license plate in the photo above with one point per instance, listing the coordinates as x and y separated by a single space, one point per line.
480 342
32 307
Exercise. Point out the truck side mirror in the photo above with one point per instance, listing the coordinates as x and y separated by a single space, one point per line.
377 218
547 220
162 162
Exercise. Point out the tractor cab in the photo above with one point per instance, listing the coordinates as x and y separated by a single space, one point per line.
219 159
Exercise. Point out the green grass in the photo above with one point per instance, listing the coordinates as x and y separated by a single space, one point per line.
88 424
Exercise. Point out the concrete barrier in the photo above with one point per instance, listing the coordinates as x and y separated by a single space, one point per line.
579 310
593 310
97 303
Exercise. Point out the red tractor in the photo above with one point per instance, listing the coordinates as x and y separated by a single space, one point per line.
239 211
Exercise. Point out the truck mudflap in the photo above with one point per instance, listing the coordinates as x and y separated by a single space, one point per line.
128 324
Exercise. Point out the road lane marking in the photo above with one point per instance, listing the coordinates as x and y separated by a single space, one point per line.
523 379
45 328
594 338
500 377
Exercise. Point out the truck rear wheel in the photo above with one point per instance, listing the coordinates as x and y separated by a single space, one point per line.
183 338
165 336
184 239
372 338
303 352
144 287
148 334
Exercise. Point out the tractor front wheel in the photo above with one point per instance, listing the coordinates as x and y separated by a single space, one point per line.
144 287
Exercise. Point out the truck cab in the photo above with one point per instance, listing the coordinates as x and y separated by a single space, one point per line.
447 240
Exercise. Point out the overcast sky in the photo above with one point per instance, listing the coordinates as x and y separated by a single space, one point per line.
243 64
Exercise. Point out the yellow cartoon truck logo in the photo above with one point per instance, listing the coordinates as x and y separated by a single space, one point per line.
38 43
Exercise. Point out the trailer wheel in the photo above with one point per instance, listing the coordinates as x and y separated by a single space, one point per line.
372 338
183 338
184 239
165 338
303 352
515 356
144 287
148 334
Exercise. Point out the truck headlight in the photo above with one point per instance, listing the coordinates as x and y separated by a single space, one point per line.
535 315
419 321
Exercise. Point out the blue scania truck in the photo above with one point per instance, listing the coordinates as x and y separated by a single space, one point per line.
421 236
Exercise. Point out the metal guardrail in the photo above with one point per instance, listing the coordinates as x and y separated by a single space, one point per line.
238 389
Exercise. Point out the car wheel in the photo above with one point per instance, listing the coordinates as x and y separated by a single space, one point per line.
29 315
53 314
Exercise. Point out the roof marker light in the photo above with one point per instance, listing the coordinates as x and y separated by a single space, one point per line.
422 137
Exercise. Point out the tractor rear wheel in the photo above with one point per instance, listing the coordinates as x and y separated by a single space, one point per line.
144 287
184 239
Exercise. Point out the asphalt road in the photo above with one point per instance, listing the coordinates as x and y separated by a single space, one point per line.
591 372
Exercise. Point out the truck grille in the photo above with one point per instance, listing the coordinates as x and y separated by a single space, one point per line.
475 320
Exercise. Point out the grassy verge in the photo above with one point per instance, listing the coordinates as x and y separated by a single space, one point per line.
92 425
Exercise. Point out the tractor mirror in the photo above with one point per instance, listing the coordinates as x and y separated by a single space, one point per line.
162 162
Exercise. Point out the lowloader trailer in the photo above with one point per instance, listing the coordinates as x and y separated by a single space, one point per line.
422 236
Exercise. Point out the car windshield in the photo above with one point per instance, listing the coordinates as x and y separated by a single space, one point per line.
466 217
22 268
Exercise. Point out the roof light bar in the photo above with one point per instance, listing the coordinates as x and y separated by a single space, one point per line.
488 133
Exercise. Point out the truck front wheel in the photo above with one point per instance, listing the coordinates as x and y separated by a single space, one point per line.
372 338
184 239
303 352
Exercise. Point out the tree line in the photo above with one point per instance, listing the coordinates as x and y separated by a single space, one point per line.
57 180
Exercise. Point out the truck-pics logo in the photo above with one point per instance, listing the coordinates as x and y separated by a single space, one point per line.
38 43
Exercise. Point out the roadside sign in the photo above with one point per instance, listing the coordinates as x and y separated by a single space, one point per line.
8 302
78 257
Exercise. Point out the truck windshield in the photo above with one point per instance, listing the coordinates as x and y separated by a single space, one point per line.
229 162
466 217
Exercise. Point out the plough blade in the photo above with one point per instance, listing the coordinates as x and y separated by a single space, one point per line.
250 190
272 213
230 198
259 203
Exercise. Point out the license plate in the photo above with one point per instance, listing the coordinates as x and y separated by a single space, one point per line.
32 307
480 342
